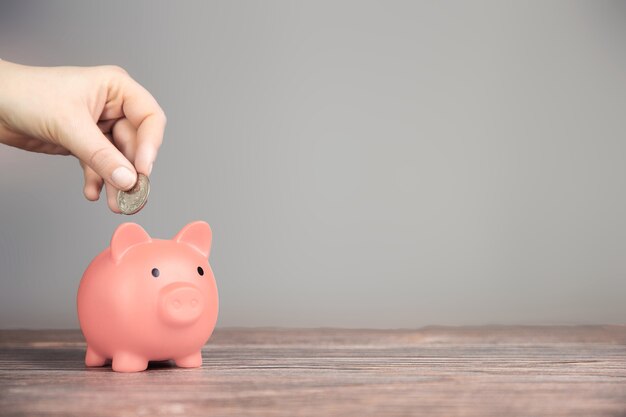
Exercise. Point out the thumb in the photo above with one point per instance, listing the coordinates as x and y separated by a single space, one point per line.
84 139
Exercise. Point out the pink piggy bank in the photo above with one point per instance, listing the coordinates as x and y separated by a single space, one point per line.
145 299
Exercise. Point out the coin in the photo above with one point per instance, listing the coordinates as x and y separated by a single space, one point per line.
133 200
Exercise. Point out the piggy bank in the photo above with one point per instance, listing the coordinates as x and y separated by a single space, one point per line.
145 299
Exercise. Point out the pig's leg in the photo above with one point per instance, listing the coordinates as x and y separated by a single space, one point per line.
192 361
93 359
129 362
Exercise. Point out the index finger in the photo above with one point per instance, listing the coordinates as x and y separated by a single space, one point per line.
145 114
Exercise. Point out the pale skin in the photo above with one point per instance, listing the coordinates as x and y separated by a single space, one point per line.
100 115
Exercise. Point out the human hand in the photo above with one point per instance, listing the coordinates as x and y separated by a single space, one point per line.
98 114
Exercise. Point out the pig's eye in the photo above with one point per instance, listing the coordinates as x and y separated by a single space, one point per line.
155 272
200 271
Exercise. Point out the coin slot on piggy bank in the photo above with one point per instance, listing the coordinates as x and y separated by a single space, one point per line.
145 299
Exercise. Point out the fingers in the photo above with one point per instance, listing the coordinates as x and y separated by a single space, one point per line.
81 136
147 146
112 198
93 183
125 138
106 126
144 113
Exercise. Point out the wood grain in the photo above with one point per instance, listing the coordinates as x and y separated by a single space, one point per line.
436 371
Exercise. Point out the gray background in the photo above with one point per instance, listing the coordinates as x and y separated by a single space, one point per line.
362 164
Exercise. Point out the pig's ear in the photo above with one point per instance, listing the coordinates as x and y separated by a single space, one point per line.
126 236
198 235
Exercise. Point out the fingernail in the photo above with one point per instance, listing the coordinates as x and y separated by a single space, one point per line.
150 169
123 178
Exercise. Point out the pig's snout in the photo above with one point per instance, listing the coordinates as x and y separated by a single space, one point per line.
180 304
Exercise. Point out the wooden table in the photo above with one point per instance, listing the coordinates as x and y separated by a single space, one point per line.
480 371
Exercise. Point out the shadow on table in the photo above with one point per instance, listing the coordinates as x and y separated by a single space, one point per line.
53 359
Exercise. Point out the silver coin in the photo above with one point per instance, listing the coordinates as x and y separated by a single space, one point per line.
133 200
